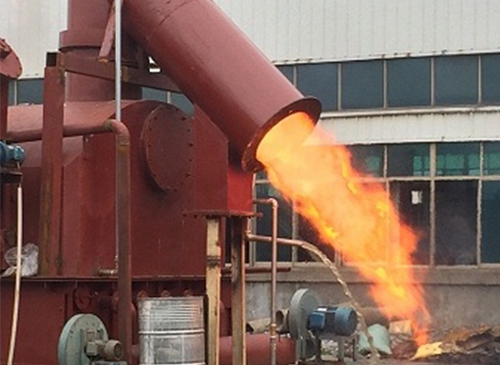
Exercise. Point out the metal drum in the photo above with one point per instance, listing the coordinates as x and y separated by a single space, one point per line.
171 331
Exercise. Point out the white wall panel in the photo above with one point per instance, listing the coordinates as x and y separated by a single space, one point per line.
300 30
32 28
450 125
351 29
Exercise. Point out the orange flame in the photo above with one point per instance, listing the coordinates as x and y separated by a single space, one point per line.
357 219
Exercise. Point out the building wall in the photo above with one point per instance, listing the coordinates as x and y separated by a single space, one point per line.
32 28
304 30
291 31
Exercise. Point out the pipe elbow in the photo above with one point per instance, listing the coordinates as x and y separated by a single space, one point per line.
120 130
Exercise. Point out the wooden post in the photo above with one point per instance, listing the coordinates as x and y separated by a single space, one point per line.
213 272
238 226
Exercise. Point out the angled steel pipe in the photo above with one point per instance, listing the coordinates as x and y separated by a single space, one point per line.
218 68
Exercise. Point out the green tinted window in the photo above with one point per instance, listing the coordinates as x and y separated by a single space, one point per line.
362 85
491 164
408 160
319 80
456 222
490 222
456 80
409 82
368 159
490 78
457 159
12 90
287 70
30 91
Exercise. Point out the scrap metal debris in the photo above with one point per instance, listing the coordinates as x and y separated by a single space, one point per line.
464 345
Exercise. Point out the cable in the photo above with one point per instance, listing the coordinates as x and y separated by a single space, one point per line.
17 290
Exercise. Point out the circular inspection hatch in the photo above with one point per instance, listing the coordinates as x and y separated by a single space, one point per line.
167 140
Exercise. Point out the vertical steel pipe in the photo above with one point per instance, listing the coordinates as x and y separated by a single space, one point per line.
274 273
118 59
218 68
123 234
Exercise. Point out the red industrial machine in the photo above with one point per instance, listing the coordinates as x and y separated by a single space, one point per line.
144 205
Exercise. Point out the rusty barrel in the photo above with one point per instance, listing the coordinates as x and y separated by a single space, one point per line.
171 331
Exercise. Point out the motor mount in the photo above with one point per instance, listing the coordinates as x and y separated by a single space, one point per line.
309 323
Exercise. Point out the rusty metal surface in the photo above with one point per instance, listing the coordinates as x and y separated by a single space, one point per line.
130 75
86 23
257 350
217 67
123 217
10 68
51 173
10 65
167 141
167 238
109 36
196 45
31 346
4 103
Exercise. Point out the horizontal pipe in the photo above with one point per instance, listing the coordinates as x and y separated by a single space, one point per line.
108 126
283 241
257 347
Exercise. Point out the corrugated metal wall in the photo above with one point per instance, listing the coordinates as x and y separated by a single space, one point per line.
32 28
303 30
461 124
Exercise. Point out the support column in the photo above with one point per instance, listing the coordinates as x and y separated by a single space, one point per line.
51 171
4 102
238 227
213 273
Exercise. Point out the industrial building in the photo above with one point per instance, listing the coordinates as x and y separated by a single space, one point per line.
412 87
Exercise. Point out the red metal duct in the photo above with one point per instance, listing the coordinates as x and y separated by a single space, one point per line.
258 353
86 26
218 68
10 68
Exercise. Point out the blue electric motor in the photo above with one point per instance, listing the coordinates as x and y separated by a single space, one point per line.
328 321
11 155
